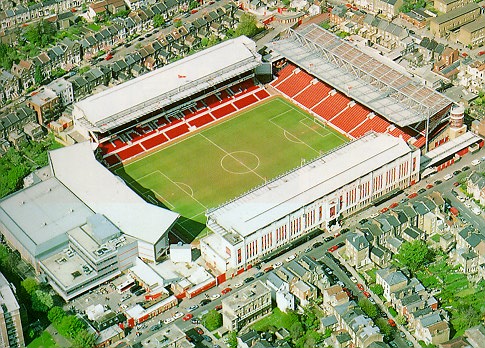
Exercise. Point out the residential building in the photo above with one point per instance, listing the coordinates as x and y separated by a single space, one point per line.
432 329
63 89
391 280
245 306
441 26
11 334
46 104
472 34
476 336
445 6
357 249
16 120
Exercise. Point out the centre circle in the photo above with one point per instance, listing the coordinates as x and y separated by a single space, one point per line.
240 162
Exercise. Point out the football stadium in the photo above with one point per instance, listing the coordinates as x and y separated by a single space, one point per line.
197 133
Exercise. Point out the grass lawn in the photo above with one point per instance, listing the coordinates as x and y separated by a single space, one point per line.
436 238
93 26
219 163
43 341
278 319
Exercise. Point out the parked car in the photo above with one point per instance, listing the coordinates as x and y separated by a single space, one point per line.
168 320
476 162
448 176
456 172
178 315
362 221
204 302
333 248
393 205
465 168
437 182
391 322
456 184
187 317
429 186
155 327
199 330
360 286
421 190
268 269
192 308
215 296
277 264
248 280
218 307
259 274
238 285
195 321
366 294
413 195
225 291
290 258
327 239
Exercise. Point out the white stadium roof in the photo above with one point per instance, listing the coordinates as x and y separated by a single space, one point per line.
304 185
367 79
76 167
162 87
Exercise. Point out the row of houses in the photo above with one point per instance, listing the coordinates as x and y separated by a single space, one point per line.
411 300
378 239
68 54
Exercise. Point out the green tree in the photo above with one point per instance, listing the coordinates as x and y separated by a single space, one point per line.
177 23
401 319
368 307
30 285
296 330
193 4
38 76
384 327
232 339
309 319
204 42
40 34
414 255
158 20
84 339
377 289
8 55
41 301
56 314
4 252
212 320
247 25
70 325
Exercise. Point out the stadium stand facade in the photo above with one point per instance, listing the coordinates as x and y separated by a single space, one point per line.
172 101
79 225
312 196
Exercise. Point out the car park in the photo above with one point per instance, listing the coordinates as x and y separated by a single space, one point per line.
248 280
225 291
215 296
187 317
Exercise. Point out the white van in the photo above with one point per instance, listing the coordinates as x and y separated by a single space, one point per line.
448 176
476 162
476 211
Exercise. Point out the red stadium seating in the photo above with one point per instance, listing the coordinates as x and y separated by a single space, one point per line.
154 141
283 74
313 94
177 131
130 152
201 120
295 83
241 103
223 111
112 160
350 118
261 94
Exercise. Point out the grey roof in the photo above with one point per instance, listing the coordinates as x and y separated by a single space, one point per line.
296 268
430 319
40 215
376 250
328 321
102 229
455 13
412 232
358 241
274 281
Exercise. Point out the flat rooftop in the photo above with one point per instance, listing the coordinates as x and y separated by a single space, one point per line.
245 295
40 215
318 178
106 194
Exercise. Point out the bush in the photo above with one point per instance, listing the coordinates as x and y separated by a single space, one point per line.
212 320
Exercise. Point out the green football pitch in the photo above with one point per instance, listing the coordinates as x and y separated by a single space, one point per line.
216 164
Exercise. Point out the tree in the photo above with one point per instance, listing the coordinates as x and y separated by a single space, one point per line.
309 319
70 325
384 326
377 289
38 76
414 255
30 285
212 320
232 339
158 20
296 330
401 319
193 4
41 301
56 314
40 34
84 339
177 23
247 25
368 307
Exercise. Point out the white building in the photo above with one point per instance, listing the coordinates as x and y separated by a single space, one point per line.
63 89
309 197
